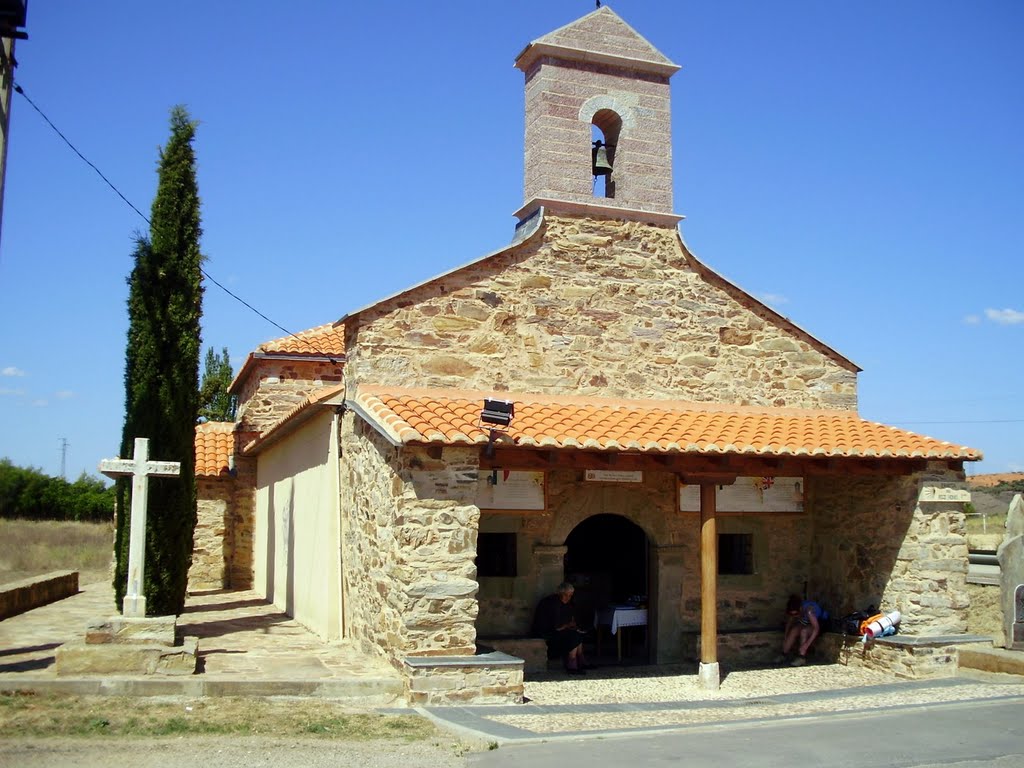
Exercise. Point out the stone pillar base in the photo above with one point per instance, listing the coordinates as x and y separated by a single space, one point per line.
126 645
78 658
708 676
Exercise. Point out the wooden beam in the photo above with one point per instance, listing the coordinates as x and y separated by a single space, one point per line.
697 466
708 576
702 479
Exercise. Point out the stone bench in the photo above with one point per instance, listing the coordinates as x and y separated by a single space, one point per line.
532 650
486 678
20 596
905 656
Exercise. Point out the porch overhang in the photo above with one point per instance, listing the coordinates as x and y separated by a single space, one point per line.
697 440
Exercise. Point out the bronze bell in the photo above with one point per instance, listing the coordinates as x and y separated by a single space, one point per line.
601 165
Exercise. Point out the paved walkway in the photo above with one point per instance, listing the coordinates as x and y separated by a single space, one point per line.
248 647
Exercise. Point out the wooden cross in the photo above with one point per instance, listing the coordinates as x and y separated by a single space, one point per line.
140 469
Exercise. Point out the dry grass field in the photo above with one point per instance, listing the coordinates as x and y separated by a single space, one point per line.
30 548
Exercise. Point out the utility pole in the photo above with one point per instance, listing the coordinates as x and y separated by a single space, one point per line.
12 19
63 457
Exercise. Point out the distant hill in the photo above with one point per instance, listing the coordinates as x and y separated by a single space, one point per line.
988 481
992 494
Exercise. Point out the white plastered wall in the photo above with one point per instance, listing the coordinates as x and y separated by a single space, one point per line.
296 548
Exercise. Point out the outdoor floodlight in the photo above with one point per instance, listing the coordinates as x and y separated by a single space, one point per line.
497 413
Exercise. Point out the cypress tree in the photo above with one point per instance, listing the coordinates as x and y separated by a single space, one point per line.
162 374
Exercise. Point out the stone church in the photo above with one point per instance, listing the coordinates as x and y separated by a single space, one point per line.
590 403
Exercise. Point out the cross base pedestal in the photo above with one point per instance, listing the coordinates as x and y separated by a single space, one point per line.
134 606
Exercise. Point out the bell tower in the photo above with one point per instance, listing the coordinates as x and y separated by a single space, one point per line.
598 122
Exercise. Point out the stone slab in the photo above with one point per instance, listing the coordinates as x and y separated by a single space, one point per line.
495 659
126 630
988 659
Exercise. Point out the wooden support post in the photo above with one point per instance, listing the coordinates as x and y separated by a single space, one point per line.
709 674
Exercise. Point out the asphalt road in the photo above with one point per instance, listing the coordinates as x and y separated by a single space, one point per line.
962 735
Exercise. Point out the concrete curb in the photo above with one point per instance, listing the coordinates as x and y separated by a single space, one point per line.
473 723
370 690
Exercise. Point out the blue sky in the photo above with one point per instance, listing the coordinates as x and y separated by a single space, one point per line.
858 166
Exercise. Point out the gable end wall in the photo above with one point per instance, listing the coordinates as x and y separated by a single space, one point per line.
595 307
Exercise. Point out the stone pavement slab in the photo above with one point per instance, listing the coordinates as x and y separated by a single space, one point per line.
246 647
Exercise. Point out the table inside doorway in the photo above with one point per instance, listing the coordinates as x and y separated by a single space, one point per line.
617 617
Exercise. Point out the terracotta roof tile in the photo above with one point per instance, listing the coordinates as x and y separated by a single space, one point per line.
326 339
215 442
451 417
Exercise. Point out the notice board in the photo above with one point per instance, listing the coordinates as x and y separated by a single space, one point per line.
750 494
511 490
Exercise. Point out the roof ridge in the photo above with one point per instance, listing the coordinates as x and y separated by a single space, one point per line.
663 404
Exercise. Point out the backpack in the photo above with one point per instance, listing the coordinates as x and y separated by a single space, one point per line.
850 624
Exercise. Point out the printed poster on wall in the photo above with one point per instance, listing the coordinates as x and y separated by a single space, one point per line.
750 494
511 490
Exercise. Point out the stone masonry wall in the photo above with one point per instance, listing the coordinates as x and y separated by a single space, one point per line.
985 616
277 386
408 551
242 514
593 307
211 547
876 544
222 547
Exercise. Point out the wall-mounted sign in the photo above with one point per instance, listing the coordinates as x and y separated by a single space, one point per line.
944 493
510 490
614 476
750 494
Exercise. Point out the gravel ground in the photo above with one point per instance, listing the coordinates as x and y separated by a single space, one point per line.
616 685
743 695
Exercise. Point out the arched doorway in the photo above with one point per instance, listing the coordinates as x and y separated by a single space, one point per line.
608 560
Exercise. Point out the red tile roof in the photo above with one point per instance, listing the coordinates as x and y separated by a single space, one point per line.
215 442
451 417
328 339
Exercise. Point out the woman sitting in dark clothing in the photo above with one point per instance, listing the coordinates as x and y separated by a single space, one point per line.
555 621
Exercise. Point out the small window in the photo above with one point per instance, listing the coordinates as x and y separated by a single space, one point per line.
496 554
736 553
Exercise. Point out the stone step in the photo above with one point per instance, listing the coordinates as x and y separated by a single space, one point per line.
984 659
79 658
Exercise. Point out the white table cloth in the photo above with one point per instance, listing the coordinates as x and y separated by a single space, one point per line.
622 616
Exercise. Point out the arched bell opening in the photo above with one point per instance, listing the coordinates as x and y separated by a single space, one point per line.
608 560
604 135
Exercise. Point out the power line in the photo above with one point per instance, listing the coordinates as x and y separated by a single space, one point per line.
18 89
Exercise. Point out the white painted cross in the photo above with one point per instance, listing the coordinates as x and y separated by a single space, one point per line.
140 469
